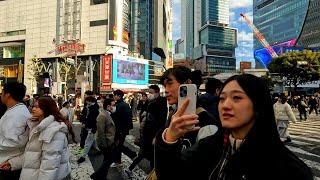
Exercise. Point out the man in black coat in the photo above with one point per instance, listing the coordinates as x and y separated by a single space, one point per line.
151 124
123 122
91 111
209 101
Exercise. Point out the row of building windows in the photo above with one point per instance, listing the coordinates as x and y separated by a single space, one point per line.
94 2
12 33
99 23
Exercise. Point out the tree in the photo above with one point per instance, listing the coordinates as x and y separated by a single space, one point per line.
297 67
67 72
34 69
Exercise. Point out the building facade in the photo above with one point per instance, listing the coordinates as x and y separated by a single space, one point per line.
77 32
310 34
141 28
214 41
280 22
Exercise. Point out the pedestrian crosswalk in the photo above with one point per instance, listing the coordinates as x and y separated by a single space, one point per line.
305 143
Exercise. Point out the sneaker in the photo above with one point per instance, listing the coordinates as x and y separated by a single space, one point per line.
80 151
287 140
81 160
113 165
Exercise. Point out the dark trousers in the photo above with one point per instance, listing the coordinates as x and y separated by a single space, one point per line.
102 172
138 159
10 175
303 112
313 108
119 139
83 136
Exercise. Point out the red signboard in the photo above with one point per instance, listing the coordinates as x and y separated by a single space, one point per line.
105 88
106 69
70 48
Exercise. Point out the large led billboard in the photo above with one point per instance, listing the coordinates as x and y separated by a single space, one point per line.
130 70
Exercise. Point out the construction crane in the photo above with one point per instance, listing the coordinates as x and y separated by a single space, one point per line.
259 36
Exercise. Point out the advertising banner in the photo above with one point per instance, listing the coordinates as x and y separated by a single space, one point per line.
130 70
106 69
119 22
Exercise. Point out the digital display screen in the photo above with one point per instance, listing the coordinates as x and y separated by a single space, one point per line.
130 71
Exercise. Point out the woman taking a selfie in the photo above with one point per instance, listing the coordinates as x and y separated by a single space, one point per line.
46 155
246 147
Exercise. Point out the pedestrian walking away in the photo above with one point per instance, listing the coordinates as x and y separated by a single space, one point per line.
283 115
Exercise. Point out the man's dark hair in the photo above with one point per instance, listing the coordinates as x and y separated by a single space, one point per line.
16 90
181 73
107 102
91 99
196 77
118 93
212 85
155 88
89 93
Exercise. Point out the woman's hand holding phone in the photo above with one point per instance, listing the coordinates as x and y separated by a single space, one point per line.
180 124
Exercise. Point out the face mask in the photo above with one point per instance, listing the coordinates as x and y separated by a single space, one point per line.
113 110
151 97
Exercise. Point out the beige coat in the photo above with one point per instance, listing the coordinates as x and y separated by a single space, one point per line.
283 112
46 156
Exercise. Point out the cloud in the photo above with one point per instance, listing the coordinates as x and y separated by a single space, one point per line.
240 4
232 15
245 36
177 2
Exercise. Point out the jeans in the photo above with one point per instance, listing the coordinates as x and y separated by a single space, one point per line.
90 141
83 136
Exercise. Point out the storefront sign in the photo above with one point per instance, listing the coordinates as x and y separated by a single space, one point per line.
106 69
70 48
105 88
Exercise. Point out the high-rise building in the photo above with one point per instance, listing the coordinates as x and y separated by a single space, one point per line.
183 26
281 22
161 31
213 41
141 28
310 34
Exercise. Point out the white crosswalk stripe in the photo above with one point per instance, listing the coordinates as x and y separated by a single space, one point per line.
305 143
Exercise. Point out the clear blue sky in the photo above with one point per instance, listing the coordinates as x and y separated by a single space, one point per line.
244 52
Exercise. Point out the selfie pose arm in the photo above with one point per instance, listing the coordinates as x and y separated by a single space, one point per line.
170 162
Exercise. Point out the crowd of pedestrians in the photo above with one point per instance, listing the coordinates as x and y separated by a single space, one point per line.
237 125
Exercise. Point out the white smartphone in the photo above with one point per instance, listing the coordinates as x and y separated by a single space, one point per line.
188 91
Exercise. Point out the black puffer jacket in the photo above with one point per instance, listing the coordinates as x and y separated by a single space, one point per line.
253 161
122 117
89 116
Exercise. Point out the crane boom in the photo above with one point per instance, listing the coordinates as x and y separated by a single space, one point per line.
259 36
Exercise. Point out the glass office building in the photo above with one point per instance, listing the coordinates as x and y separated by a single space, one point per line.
217 40
189 28
310 35
215 12
141 28
281 23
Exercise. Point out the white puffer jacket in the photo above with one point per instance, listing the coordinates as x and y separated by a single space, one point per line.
46 156
283 112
